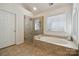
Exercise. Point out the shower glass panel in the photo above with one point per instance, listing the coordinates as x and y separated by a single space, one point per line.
28 29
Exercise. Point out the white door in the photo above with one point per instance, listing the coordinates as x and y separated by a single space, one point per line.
7 29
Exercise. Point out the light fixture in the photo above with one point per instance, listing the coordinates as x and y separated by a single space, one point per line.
50 4
34 8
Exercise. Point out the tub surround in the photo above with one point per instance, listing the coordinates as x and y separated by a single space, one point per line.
53 48
56 40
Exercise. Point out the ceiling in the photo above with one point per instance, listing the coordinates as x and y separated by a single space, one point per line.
42 7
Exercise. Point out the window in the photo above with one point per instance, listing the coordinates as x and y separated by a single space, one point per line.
55 23
37 24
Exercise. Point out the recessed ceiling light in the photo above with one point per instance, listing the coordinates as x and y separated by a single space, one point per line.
34 8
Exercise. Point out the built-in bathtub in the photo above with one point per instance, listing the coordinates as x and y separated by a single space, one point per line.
56 41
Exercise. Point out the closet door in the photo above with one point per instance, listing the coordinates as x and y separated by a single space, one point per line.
7 29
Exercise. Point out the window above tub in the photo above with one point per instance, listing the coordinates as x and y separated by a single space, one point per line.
56 23
37 24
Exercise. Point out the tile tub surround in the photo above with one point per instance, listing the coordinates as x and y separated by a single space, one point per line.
52 49
56 40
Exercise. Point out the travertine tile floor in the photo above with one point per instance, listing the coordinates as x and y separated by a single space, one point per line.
25 50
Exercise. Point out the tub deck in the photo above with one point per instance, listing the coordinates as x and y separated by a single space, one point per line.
56 40
54 49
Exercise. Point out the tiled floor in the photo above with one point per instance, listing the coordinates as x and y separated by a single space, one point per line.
27 50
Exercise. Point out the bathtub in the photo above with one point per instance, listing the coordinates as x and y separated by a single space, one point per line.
56 41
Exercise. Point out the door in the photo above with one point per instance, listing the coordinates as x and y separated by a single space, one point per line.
7 29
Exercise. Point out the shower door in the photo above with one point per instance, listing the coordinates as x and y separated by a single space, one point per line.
28 29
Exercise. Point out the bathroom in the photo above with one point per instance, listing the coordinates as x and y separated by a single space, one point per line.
40 29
